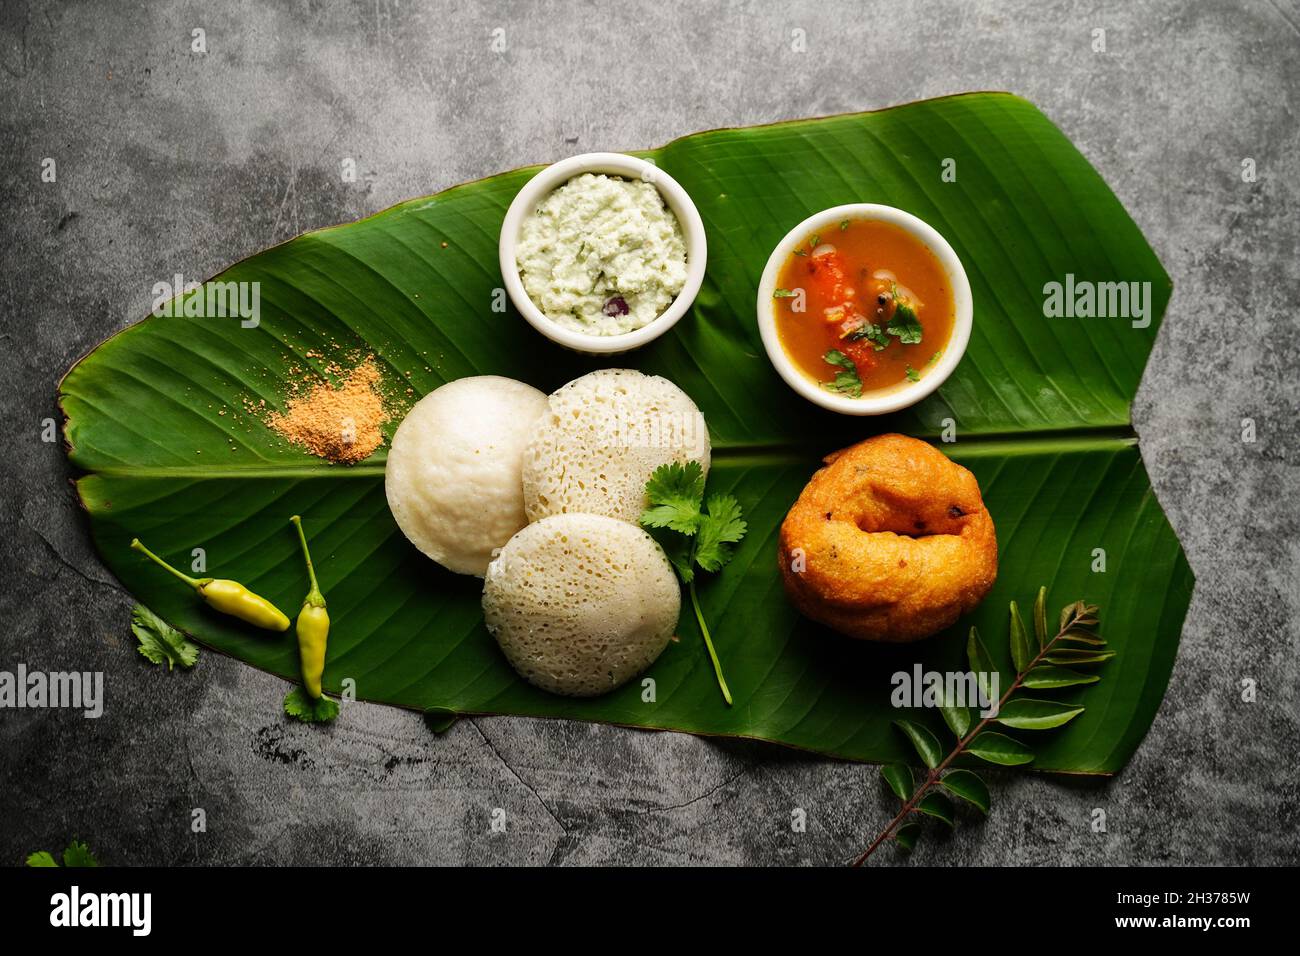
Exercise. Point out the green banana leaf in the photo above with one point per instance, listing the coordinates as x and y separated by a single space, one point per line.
1038 408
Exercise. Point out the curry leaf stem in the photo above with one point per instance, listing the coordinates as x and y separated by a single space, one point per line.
708 642
934 775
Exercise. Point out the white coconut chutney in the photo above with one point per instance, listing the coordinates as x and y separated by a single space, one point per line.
602 255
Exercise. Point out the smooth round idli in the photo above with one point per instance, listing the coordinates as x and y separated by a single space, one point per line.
581 603
604 435
453 475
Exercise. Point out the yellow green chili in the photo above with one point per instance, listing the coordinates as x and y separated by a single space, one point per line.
313 625
228 597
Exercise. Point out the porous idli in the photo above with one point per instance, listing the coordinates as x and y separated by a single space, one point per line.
603 436
581 603
453 478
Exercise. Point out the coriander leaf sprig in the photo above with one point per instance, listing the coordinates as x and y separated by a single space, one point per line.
77 854
160 642
693 531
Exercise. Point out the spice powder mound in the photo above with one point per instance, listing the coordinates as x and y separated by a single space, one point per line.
340 421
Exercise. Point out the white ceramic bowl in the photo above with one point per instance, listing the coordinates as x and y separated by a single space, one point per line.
895 397
613 164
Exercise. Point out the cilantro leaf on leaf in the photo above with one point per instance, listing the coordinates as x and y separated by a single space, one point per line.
694 533
691 531
41 858
720 529
675 492
680 550
159 641
301 707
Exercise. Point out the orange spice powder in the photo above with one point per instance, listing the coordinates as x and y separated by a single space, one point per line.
341 421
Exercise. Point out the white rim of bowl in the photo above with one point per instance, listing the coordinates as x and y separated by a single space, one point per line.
616 164
894 397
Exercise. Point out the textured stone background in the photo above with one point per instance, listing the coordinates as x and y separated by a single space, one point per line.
170 162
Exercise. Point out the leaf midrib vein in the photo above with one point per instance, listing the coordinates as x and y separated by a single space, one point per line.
766 452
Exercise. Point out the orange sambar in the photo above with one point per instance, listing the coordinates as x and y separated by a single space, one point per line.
854 274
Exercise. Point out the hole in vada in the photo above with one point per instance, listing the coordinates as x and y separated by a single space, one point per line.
916 529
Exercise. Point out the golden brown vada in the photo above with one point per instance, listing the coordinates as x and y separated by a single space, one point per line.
890 541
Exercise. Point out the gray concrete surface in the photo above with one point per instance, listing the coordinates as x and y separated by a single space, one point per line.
170 161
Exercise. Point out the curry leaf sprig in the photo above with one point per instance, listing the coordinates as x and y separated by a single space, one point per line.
693 531
1042 663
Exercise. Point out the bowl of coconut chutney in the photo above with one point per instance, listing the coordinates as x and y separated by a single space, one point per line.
603 252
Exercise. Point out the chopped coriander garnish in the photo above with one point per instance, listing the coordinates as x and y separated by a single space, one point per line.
800 252
869 331
815 241
935 357
912 374
905 324
783 294
844 224
847 381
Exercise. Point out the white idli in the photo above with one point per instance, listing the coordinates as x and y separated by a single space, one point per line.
603 437
581 603
453 475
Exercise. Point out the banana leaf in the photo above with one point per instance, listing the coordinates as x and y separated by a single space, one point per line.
156 421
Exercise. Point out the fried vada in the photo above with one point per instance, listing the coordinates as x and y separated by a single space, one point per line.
890 541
